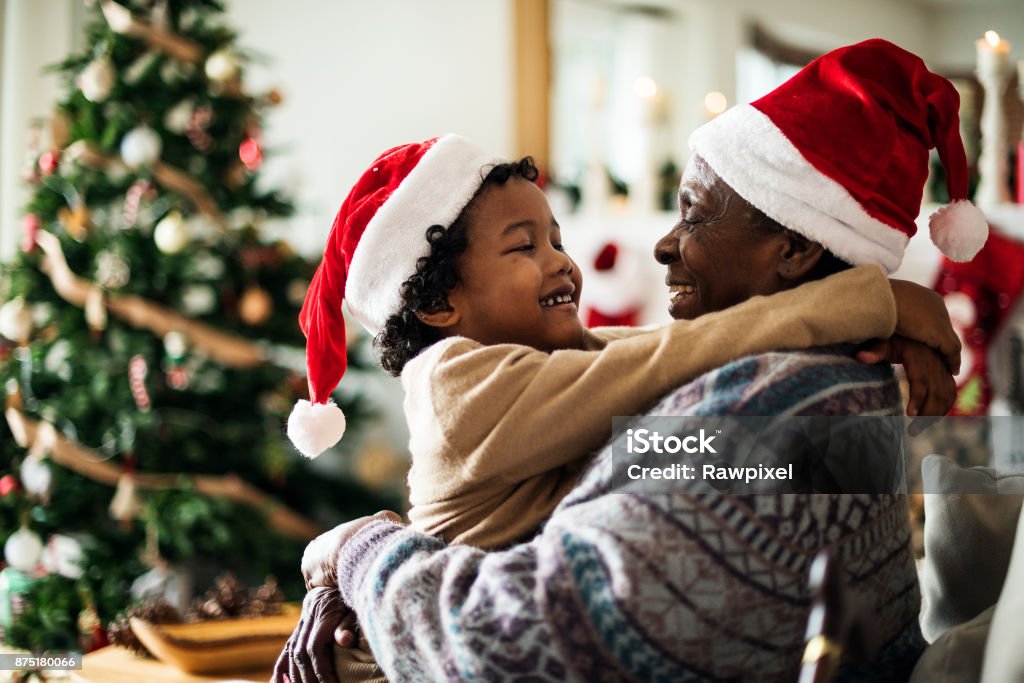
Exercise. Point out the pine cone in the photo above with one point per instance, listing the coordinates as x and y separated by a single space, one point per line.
265 600
156 611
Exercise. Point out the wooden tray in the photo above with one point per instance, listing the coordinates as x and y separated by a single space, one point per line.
219 646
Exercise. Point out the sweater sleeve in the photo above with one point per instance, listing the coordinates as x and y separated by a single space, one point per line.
486 400
437 612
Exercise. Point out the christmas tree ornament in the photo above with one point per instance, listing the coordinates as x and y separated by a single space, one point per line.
23 549
208 266
126 505
274 98
14 585
140 147
36 476
178 117
138 369
91 634
97 79
202 117
112 271
198 299
173 72
172 233
140 189
222 66
241 218
48 162
29 229
16 320
42 314
76 221
250 153
8 484
63 555
55 362
176 346
296 291
255 306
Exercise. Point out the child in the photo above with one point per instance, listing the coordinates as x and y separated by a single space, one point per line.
506 394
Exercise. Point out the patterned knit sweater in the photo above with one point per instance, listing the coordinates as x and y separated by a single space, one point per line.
656 587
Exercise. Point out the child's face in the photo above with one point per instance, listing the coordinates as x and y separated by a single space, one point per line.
516 284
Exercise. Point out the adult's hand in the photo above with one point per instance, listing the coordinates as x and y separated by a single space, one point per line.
320 559
308 656
932 387
921 315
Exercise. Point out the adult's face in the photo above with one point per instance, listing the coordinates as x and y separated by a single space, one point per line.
717 254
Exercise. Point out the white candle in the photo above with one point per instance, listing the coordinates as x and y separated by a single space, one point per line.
993 52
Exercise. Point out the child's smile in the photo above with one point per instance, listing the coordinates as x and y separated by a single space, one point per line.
516 283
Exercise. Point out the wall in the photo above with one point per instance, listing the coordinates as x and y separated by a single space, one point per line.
360 77
35 33
717 30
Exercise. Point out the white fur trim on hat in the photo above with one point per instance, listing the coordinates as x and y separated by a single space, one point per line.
959 230
434 193
315 427
755 158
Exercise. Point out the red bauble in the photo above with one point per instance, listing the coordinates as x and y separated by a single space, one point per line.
48 162
250 153
8 484
29 230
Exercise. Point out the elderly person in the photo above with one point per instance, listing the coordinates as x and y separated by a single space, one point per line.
698 585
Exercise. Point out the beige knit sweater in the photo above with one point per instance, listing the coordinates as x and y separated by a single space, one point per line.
499 433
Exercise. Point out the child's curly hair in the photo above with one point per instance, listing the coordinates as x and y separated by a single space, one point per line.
404 335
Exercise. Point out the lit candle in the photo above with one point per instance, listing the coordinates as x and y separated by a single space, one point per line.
993 52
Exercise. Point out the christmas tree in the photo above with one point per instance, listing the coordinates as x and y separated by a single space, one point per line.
148 340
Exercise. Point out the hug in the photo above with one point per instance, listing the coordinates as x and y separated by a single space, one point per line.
523 559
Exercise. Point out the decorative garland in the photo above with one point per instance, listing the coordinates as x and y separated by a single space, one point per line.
140 313
88 463
169 177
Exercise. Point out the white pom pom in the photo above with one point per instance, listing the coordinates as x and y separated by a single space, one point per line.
315 427
959 230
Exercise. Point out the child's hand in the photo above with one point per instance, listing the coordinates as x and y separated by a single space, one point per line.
921 315
345 635
932 388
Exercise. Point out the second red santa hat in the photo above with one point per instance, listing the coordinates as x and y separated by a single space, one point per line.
839 154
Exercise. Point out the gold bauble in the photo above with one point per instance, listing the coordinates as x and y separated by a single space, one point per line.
255 305
76 221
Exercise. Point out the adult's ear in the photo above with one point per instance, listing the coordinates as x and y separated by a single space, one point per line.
797 255
445 318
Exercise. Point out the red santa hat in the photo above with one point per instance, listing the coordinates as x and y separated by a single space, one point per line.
375 241
839 154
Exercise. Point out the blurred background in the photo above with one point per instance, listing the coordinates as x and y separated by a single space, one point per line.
602 93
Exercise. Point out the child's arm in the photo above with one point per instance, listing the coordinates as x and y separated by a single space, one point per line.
520 412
